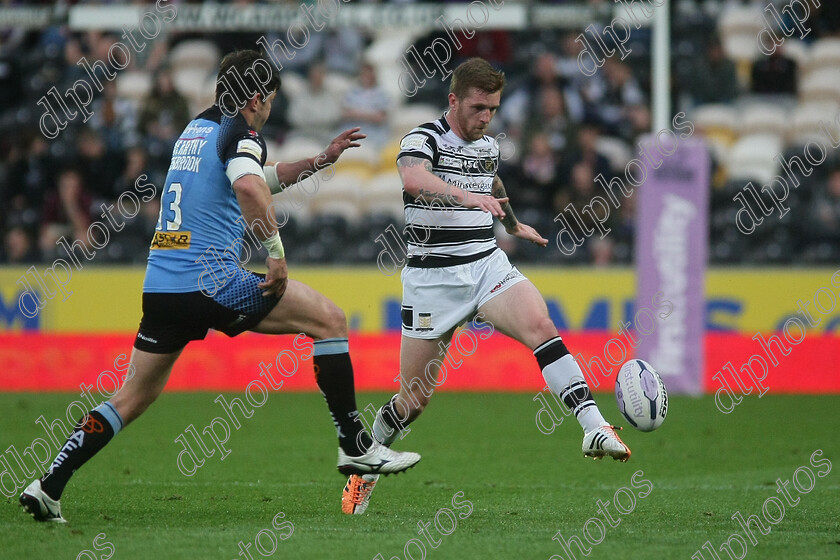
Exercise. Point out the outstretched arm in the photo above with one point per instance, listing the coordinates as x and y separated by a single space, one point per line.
289 174
512 225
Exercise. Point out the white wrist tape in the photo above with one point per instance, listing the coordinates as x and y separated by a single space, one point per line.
271 179
274 246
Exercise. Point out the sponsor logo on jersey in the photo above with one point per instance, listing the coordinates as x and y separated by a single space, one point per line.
478 166
171 240
194 129
413 141
249 147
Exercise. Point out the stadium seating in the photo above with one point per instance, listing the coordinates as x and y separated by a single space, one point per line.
824 53
752 157
383 195
739 20
197 85
134 85
197 53
821 85
808 120
406 118
616 151
759 118
744 135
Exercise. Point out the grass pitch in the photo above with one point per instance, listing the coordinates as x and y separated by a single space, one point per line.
523 486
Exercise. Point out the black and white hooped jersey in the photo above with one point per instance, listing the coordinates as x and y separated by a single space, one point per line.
444 235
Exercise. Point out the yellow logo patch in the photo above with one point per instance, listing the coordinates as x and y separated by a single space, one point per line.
171 240
425 321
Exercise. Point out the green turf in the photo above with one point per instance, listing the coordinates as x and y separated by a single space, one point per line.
524 486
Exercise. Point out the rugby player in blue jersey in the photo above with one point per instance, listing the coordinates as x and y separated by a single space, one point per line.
194 282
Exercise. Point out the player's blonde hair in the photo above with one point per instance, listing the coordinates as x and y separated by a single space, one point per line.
476 73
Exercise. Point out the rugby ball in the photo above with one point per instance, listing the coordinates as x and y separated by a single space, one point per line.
641 395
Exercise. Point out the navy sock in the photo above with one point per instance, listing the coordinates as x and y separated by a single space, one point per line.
90 435
334 375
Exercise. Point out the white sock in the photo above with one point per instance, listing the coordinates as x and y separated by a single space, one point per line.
565 379
383 431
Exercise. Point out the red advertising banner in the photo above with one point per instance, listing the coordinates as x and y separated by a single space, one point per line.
734 363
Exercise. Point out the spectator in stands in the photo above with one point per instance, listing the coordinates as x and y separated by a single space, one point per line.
11 77
343 48
136 164
550 116
567 63
825 19
30 170
639 121
601 251
366 105
609 96
66 212
585 149
536 180
315 113
774 74
115 119
163 115
580 189
496 46
132 244
99 166
18 247
519 105
715 79
579 194
29 163
823 222
71 70
624 225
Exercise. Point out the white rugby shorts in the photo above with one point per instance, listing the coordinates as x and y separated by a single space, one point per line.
435 300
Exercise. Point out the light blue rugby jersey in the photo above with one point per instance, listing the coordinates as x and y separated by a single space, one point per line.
200 216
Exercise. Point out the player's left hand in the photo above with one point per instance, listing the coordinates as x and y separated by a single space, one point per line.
347 139
276 279
528 233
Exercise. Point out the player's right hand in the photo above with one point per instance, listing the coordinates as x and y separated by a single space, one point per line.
276 279
486 203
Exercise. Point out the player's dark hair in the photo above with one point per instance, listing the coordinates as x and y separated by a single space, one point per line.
243 74
476 73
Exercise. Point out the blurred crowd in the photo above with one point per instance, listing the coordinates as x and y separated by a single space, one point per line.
562 130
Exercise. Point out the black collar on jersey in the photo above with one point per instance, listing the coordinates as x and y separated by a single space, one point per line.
444 123
212 113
